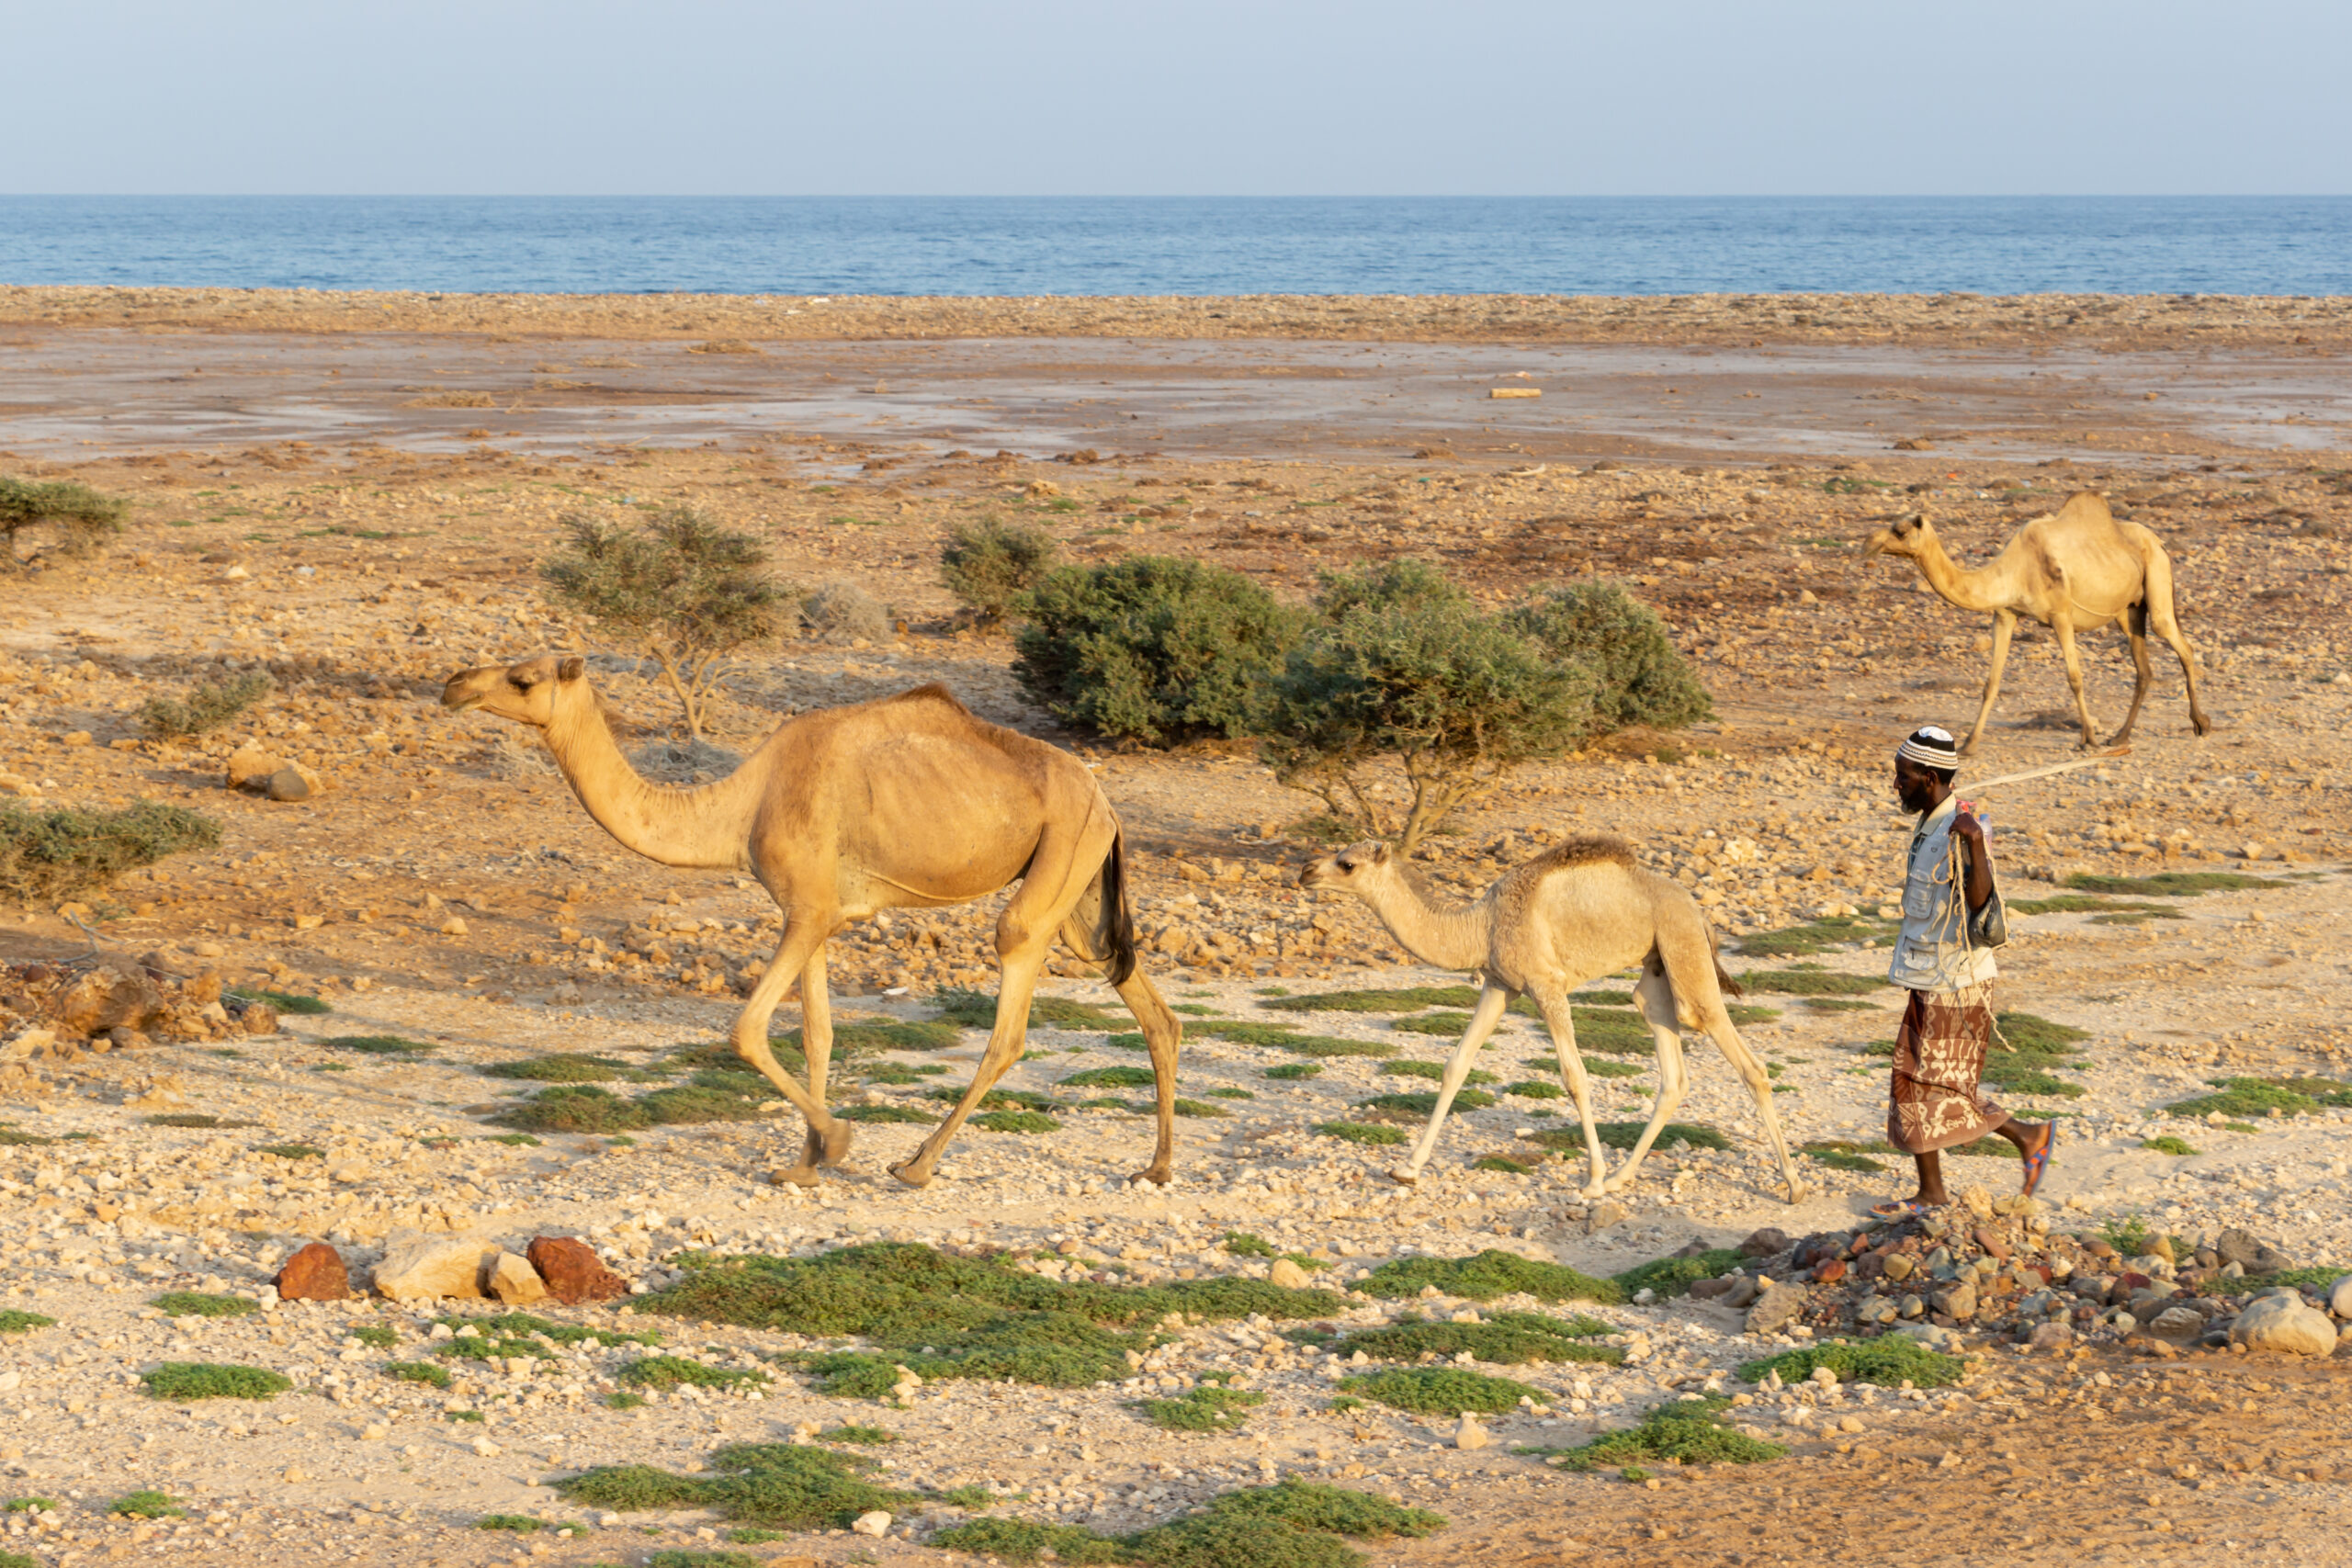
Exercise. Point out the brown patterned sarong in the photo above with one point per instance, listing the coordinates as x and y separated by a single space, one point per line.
1939 1057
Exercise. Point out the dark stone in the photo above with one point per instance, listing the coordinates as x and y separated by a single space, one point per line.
286 785
2269 1259
573 1271
1691 1248
2238 1246
314 1274
1765 1242
1829 1271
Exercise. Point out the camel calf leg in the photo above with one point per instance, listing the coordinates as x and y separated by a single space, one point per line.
1165 1036
803 942
1656 999
1483 1019
817 1049
2144 674
2073 658
1557 1018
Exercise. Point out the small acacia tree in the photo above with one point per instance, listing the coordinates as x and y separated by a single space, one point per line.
685 591
1154 649
990 565
84 516
1405 667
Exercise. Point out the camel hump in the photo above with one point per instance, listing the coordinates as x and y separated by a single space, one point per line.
2086 506
1584 849
932 692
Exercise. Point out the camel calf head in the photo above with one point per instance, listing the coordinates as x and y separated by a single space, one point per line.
1350 868
527 693
1903 537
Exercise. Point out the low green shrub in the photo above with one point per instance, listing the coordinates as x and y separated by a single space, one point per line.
204 708
1671 1277
671 1371
1370 1133
47 855
417 1372
15 1322
196 1304
383 1045
1015 1121
83 516
782 1485
1890 1362
2170 883
1507 1339
521 1524
211 1379
146 1503
1805 981
560 1066
1683 1431
1207 1408
1293 1072
1425 1103
990 567
1489 1274
1639 676
1440 1391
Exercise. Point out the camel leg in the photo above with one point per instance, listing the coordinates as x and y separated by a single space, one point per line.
2005 622
817 1047
1483 1019
1163 1034
803 940
1557 1018
2074 678
1656 999
2135 632
2160 617
1716 1019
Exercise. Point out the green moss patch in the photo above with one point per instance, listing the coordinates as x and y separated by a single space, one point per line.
1685 1432
1442 1391
2167 1144
1404 998
378 1045
510 1334
883 1112
1207 1408
1889 1362
1507 1339
1423 1103
1840 1153
291 1151
424 1372
287 1002
1536 1089
1330 1045
1024 1540
781 1485
1814 936
1183 1107
2169 883
1485 1276
673 1372
1807 980
1433 1071
956 1317
1450 1025
1015 1121
195 1303
1111 1078
2260 1097
1297 1524
146 1503
976 1009
865 1437
1625 1134
561 1066
1371 1134
1671 1277
209 1380
15 1322
521 1524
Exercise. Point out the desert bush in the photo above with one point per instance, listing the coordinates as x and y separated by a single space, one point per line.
1153 649
1640 677
205 707
84 515
52 854
682 590
845 611
1405 668
989 566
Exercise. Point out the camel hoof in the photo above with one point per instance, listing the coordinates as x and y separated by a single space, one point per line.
812 1148
1157 1175
837 1140
910 1176
1406 1178
794 1175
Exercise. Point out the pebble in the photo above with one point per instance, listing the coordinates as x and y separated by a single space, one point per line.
876 1523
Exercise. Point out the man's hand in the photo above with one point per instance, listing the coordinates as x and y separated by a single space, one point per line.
1966 826
1971 834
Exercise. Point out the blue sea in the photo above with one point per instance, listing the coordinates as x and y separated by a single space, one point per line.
1079 245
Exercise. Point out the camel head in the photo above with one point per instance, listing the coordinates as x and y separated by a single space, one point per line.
528 693
1350 868
1904 536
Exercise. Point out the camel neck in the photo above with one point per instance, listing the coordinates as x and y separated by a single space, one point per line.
707 829
1978 589
1445 939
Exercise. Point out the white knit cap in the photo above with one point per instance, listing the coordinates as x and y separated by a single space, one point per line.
1931 747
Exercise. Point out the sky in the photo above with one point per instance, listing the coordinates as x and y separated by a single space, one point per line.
1224 97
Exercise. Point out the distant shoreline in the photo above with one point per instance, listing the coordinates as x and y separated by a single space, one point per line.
733 322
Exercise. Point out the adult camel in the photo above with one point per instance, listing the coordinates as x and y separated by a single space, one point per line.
910 802
2073 571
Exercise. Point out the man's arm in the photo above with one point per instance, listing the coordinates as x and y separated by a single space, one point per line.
1978 856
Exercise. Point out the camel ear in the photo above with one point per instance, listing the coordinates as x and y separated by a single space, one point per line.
1907 525
571 668
1380 855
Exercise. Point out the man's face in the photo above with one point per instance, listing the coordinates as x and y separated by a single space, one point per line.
1915 786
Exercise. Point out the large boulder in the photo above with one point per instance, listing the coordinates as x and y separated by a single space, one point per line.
571 1270
2283 1322
106 998
1780 1305
2339 1297
417 1267
514 1281
314 1274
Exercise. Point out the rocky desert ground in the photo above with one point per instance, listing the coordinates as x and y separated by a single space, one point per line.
427 1012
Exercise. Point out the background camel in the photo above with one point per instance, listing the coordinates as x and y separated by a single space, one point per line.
906 803
1580 911
2073 571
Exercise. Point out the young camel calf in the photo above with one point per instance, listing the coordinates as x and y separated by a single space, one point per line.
1580 911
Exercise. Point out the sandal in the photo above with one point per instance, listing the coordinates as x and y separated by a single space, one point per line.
2038 1161
1900 1209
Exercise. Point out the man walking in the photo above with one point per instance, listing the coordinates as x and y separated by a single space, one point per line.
1951 921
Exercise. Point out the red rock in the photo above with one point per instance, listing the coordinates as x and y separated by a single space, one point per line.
1993 1245
315 1274
1830 1271
107 997
573 1271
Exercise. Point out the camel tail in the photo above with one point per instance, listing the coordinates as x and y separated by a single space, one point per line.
1724 980
1118 920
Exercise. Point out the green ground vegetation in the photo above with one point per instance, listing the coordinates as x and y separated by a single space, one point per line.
1671 1277
1815 936
1420 1105
424 1372
673 1372
203 708
1207 1408
2169 883
1842 1153
52 854
1810 980
1486 1275
1293 1072
13 1321
1507 1339
2265 1096
1442 1391
1433 1071
2167 1144
196 1304
562 1066
1371 1135
1296 1523
146 1503
780 1485
957 1317
212 1380
378 1045
1683 1431
1889 1362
